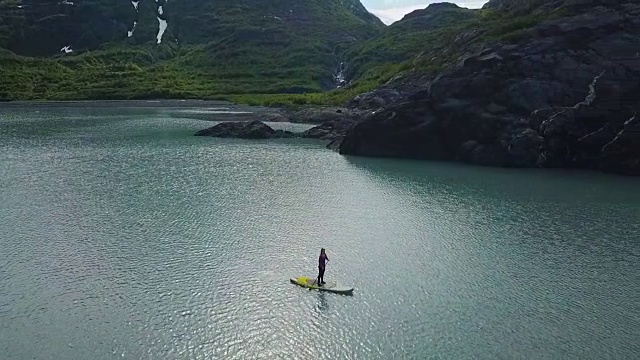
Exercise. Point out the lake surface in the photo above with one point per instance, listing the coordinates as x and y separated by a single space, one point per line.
124 236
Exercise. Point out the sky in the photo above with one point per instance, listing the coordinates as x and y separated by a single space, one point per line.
393 10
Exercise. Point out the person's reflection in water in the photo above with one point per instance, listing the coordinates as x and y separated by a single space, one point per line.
323 305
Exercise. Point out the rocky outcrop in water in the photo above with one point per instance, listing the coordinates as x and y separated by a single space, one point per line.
565 93
245 130
335 121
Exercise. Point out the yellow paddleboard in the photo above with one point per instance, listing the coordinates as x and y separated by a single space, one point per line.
331 286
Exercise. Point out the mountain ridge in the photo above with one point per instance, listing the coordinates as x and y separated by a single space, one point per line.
207 48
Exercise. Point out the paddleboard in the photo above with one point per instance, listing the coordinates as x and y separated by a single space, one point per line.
331 286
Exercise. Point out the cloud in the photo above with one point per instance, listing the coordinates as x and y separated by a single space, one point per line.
391 15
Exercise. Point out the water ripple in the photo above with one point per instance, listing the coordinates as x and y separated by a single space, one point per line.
133 239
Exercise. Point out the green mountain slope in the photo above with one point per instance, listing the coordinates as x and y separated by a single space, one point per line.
428 40
98 49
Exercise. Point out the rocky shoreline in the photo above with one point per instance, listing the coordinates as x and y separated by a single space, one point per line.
330 123
566 95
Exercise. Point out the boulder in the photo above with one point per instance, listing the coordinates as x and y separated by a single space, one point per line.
245 130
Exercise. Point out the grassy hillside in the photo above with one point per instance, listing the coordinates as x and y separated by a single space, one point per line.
426 41
421 44
279 55
209 49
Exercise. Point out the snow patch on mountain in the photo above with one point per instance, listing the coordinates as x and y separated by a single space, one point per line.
130 32
161 28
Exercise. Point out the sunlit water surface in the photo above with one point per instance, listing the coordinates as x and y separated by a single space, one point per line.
124 236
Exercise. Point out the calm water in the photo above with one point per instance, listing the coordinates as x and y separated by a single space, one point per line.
124 236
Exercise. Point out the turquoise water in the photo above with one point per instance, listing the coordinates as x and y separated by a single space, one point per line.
124 236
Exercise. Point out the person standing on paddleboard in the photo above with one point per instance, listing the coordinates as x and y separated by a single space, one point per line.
322 260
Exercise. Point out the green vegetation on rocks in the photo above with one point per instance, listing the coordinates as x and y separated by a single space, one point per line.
279 52
209 49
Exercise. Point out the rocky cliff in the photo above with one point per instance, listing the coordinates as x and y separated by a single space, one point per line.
561 90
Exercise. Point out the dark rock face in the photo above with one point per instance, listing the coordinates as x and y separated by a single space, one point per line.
524 148
329 130
566 95
620 155
318 115
334 124
405 130
376 99
244 130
